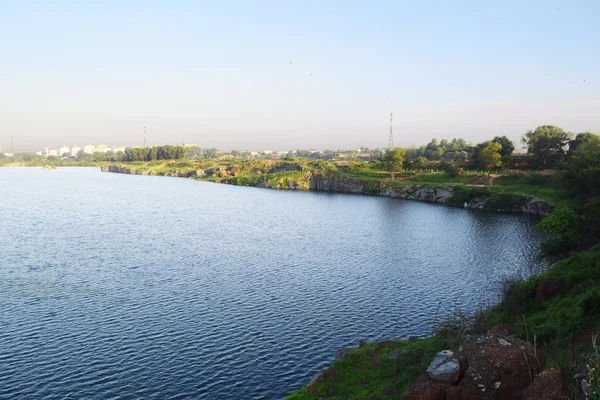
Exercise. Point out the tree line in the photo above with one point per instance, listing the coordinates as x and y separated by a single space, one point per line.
547 146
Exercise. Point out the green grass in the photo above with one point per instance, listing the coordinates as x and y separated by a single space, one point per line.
556 320
368 373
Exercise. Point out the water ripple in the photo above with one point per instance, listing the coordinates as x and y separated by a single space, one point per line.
124 287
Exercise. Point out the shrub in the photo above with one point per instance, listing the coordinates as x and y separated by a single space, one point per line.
449 169
503 201
563 225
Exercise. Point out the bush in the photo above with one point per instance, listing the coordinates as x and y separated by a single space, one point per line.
503 201
564 227
449 169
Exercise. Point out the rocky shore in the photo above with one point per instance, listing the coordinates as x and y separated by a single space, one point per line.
469 197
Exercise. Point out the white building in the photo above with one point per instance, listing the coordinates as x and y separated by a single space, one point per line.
89 149
52 152
38 153
102 149
116 149
9 154
63 149
75 150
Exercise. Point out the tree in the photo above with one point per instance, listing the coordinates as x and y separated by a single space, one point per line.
581 138
507 145
563 225
82 156
99 156
489 156
581 173
433 145
546 142
194 152
393 159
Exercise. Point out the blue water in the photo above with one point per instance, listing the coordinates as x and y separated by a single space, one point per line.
133 287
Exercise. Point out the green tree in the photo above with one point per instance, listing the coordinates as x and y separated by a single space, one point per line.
563 225
507 145
99 156
393 159
489 156
82 156
581 138
545 143
581 173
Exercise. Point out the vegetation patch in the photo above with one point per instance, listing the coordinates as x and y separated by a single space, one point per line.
383 370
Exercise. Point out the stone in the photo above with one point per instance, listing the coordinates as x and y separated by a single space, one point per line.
499 330
316 377
504 343
444 367
547 385
395 355
340 354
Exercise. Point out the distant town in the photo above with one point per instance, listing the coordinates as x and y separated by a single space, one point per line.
76 151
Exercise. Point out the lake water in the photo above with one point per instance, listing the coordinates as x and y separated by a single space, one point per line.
134 287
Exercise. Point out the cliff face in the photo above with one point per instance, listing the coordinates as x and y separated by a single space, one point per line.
469 197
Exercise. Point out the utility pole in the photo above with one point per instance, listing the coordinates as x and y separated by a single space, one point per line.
391 140
144 135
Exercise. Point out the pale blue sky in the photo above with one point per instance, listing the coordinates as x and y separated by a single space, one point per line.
218 73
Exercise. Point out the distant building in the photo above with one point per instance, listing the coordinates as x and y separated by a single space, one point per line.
116 149
39 153
190 145
89 149
75 150
102 149
63 149
0 149
52 152
9 154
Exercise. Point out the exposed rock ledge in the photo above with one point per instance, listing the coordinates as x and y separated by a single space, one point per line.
316 181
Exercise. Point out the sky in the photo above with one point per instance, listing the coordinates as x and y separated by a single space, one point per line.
294 74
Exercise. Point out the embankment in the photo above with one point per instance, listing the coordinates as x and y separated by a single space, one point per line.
478 197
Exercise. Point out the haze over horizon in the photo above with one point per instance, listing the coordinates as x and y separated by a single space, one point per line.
235 75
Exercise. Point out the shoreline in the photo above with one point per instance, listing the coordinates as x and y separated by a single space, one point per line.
472 197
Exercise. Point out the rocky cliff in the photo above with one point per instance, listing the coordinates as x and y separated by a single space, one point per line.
457 196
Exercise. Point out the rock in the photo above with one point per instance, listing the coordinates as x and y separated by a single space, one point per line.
579 375
533 205
200 173
425 389
584 387
444 367
504 343
499 330
547 385
395 355
316 377
340 354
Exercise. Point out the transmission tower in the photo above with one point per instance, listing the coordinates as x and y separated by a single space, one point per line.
391 140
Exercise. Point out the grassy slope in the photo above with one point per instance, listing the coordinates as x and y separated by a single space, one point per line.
557 320
561 325
368 373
